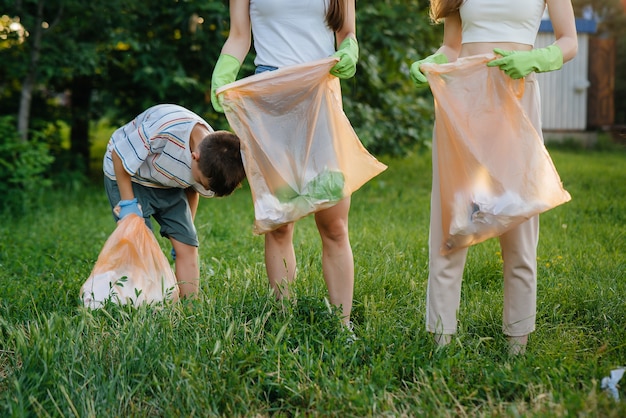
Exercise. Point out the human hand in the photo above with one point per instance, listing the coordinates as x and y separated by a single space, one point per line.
225 72
126 207
348 54
518 64
417 76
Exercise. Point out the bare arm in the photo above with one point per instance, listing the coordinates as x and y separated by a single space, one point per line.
451 45
349 23
122 177
239 37
564 24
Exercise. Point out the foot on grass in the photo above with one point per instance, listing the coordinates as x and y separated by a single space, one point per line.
517 345
350 335
442 340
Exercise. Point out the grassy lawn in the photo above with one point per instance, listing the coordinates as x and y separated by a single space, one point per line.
237 352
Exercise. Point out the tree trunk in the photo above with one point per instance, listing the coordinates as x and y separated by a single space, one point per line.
28 84
82 87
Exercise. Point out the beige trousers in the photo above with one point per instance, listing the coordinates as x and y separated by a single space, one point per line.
519 254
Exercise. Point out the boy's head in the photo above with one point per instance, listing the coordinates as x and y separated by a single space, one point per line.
220 162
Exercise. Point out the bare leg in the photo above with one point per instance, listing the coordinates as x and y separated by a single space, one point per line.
187 269
280 259
337 259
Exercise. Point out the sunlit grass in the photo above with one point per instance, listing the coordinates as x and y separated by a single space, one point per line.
237 352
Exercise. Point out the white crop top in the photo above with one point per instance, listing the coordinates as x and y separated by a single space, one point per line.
287 32
501 20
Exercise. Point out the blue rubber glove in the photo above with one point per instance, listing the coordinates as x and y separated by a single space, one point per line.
417 76
129 206
518 64
225 72
348 54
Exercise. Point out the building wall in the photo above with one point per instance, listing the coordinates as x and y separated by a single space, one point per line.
564 92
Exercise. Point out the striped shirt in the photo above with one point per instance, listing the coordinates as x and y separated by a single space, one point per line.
155 148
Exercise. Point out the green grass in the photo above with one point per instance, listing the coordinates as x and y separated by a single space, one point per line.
237 352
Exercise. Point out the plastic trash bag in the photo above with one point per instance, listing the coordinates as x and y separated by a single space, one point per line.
610 383
494 169
131 268
299 150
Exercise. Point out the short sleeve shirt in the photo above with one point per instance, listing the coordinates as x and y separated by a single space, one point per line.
155 148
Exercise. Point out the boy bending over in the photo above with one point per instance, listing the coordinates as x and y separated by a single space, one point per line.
158 165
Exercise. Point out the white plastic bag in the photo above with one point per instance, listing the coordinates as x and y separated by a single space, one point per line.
131 268
299 150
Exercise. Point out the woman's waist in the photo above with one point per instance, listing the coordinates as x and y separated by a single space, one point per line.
481 48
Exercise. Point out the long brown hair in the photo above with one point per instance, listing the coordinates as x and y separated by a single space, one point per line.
335 14
439 9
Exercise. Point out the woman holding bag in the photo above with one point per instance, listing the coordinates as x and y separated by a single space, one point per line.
507 28
289 33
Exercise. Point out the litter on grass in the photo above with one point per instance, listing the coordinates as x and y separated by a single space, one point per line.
610 382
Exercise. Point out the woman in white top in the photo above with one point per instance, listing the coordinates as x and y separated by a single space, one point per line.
287 32
508 28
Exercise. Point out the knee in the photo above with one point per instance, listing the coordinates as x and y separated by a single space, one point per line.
336 230
186 253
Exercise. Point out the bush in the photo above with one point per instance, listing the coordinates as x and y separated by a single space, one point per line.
23 165
388 113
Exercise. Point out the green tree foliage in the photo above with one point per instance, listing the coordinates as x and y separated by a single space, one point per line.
115 58
63 47
11 32
22 165
108 57
388 113
163 51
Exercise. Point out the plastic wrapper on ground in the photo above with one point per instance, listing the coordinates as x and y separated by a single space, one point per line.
300 152
494 170
131 269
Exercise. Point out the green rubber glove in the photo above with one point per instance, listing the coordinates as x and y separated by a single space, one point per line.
225 72
518 64
348 54
416 74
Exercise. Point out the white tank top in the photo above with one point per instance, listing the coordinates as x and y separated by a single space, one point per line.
288 32
501 20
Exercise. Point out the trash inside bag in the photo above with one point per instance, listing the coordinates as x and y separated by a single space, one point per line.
494 169
299 149
131 269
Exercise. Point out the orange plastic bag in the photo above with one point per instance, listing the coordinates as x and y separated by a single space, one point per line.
299 150
131 268
494 169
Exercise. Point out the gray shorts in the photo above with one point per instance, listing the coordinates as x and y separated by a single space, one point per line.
169 207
